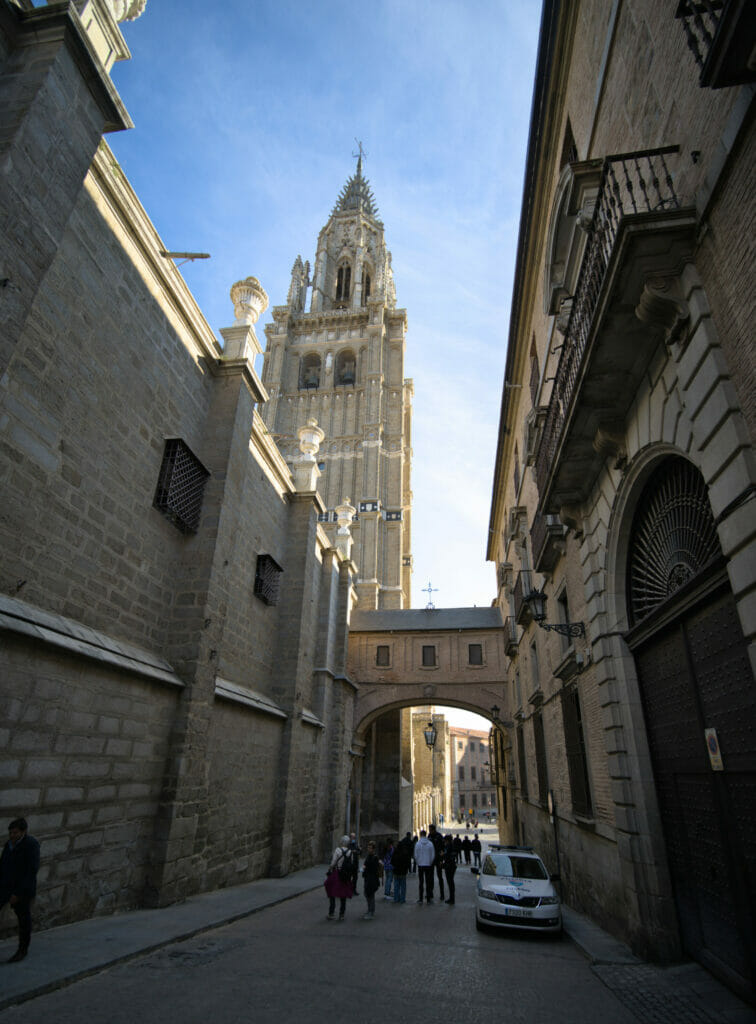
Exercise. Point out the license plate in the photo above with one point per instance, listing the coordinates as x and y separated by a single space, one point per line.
515 912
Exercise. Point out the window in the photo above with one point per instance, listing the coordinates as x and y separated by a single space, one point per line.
461 772
345 370
535 372
429 656
521 763
343 283
382 655
460 745
365 288
475 654
540 751
475 799
577 762
267 578
472 773
563 609
181 485
309 371
516 470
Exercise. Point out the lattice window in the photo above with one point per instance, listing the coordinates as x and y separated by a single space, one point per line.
674 536
577 761
267 579
181 485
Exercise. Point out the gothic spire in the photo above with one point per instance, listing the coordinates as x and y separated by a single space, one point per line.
356 194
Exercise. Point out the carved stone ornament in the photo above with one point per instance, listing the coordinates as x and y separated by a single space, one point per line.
250 300
310 438
344 515
662 305
127 10
609 442
563 317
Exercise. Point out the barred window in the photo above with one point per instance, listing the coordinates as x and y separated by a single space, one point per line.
475 654
181 485
267 579
577 762
540 751
382 655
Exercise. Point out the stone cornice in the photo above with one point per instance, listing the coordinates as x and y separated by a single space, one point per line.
112 190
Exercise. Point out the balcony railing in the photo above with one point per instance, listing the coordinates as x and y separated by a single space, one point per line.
510 635
632 185
547 541
720 35
521 589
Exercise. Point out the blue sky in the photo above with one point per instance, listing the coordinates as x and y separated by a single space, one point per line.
246 116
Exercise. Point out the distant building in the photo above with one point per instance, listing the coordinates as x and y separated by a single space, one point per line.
474 792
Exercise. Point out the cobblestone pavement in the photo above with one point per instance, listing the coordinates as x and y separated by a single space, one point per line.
411 963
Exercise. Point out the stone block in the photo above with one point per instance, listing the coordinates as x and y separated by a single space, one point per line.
711 374
64 794
88 840
19 800
733 480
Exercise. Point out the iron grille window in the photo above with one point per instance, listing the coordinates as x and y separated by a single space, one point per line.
429 656
382 655
540 752
475 654
267 579
577 762
181 485
521 763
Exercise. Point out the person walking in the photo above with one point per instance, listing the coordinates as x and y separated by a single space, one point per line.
338 883
466 844
413 867
425 854
19 864
400 865
475 849
450 867
458 849
388 871
438 845
371 879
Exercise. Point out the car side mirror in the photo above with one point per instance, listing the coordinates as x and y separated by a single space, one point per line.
556 878
475 871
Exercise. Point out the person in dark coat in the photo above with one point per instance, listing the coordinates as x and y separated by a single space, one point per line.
450 867
458 849
438 845
335 887
475 847
466 844
371 879
19 864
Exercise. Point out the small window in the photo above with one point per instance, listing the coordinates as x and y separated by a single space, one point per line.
365 288
267 578
343 283
472 747
309 371
472 773
461 771
382 655
345 372
181 485
460 745
429 656
475 654
475 799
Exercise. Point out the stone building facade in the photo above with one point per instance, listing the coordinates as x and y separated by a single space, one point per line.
472 778
341 362
625 477
176 714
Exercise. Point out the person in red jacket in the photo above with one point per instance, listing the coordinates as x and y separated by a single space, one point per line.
19 864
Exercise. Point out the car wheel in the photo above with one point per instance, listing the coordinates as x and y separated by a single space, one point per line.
480 927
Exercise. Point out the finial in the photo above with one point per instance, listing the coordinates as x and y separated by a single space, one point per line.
359 154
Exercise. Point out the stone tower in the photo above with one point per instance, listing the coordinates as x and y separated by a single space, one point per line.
342 363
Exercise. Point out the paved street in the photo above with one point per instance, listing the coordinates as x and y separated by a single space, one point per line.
286 962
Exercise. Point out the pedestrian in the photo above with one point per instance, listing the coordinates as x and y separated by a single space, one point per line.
388 871
475 849
466 846
414 862
438 845
450 868
371 879
425 854
354 847
458 849
400 865
338 883
19 864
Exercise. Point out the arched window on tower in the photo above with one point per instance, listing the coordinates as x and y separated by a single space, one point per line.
309 371
343 283
346 367
365 286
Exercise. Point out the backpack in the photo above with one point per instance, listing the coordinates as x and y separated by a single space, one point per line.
346 867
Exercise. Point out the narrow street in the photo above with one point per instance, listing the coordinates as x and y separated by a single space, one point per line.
411 963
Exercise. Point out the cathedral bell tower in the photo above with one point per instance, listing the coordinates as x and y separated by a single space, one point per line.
342 363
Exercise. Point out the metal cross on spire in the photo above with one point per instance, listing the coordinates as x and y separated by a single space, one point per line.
359 154
430 590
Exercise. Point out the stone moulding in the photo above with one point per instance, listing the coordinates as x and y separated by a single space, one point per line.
237 694
25 619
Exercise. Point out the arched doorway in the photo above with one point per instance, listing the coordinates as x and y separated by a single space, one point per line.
699 703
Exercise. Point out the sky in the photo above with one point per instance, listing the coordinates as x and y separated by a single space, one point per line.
246 120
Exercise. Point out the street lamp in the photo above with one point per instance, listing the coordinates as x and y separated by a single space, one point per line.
536 601
430 735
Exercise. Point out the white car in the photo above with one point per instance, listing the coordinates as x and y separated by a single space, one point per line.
515 891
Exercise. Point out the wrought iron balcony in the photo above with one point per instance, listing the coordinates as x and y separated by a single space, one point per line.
721 35
521 589
510 636
547 541
639 230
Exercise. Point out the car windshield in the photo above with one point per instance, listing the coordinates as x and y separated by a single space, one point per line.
511 866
